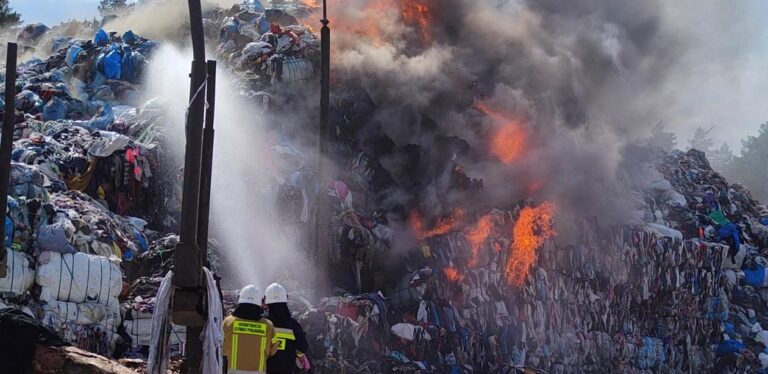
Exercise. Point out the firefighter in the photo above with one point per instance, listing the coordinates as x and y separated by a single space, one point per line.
291 340
248 337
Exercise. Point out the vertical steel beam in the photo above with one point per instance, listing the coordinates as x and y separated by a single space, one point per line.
6 143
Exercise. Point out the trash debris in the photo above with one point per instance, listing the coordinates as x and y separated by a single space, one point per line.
94 200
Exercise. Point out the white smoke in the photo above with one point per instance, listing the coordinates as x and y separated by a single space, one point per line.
158 19
243 213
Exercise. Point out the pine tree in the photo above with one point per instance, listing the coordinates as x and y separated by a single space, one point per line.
751 167
721 158
107 7
701 140
662 139
7 16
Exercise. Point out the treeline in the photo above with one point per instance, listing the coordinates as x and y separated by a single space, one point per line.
750 167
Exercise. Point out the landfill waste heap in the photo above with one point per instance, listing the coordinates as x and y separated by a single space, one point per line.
94 202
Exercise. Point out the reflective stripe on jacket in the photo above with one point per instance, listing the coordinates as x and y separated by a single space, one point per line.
291 340
248 343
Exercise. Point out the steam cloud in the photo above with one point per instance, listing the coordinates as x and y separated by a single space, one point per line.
244 218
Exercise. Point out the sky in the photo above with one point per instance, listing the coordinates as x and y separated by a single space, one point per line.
720 83
54 11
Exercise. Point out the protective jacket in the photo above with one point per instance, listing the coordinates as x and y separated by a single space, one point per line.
290 338
248 342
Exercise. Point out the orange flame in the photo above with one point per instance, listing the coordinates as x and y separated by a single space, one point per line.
368 20
452 274
509 139
532 229
477 235
444 225
372 20
417 13
310 3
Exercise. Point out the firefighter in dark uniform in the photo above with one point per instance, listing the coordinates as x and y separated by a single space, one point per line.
291 340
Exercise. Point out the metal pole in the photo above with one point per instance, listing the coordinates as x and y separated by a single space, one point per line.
322 238
189 293
6 143
207 166
194 344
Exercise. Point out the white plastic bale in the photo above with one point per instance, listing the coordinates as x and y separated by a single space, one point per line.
78 278
19 277
77 324
140 331
60 313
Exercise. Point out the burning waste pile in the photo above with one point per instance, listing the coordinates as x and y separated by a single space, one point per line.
683 289
462 150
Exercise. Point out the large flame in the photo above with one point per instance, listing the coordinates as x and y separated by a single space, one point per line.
416 12
380 22
532 229
361 19
508 140
444 225
477 235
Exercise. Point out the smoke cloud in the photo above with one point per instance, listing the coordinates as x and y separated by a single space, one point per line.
161 19
586 77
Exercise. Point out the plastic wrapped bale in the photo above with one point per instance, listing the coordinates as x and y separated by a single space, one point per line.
139 326
20 277
79 278
88 326
60 313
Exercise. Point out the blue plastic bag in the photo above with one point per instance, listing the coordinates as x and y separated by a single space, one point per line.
55 110
730 230
132 64
263 24
53 238
8 239
143 245
729 346
101 37
72 54
257 6
129 37
103 118
754 277
113 64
